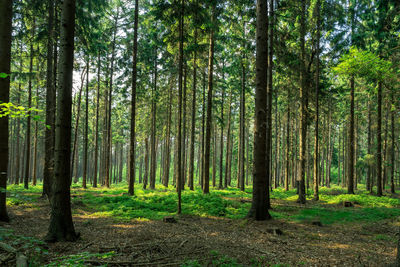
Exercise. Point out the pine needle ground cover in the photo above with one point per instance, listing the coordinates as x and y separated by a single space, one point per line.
114 224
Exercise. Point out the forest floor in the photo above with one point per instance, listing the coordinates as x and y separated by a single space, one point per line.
119 230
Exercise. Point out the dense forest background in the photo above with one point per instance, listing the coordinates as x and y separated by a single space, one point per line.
204 94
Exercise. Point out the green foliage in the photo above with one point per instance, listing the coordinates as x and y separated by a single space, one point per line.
79 260
14 111
364 64
3 75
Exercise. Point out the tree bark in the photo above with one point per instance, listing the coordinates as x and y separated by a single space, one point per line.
206 183
316 136
259 208
61 226
303 108
86 135
193 127
133 103
350 177
379 142
5 61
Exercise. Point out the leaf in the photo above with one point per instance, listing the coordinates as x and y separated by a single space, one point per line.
3 75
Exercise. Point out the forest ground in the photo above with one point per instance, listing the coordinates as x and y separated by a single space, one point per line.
119 230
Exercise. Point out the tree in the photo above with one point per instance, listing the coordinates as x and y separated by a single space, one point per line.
5 60
61 227
259 206
133 103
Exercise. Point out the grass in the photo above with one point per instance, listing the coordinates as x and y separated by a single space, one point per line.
155 204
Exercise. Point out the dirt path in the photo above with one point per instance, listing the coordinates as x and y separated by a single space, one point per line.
138 243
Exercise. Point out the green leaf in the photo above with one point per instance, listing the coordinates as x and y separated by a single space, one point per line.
3 75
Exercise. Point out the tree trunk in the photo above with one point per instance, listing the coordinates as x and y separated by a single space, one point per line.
86 135
393 110
153 152
221 159
241 131
193 127
133 103
303 108
228 144
48 170
350 176
96 140
167 156
75 144
206 171
379 142
5 60
259 208
287 142
316 136
28 127
61 227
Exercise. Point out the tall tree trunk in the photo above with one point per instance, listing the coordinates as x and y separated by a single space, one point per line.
221 159
109 138
392 149
86 135
179 141
228 143
35 142
206 171
133 103
203 115
5 61
259 208
350 176
61 226
184 128
287 142
270 95
316 136
96 139
303 108
193 127
241 131
153 148
167 151
48 170
369 168
28 127
379 142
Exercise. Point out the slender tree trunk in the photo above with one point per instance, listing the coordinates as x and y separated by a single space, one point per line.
61 226
153 152
379 142
167 156
109 138
96 139
35 142
48 170
183 151
303 108
392 149
201 178
28 127
193 128
85 150
133 103
270 95
221 159
241 130
287 142
316 136
369 169
206 189
228 143
350 177
179 141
